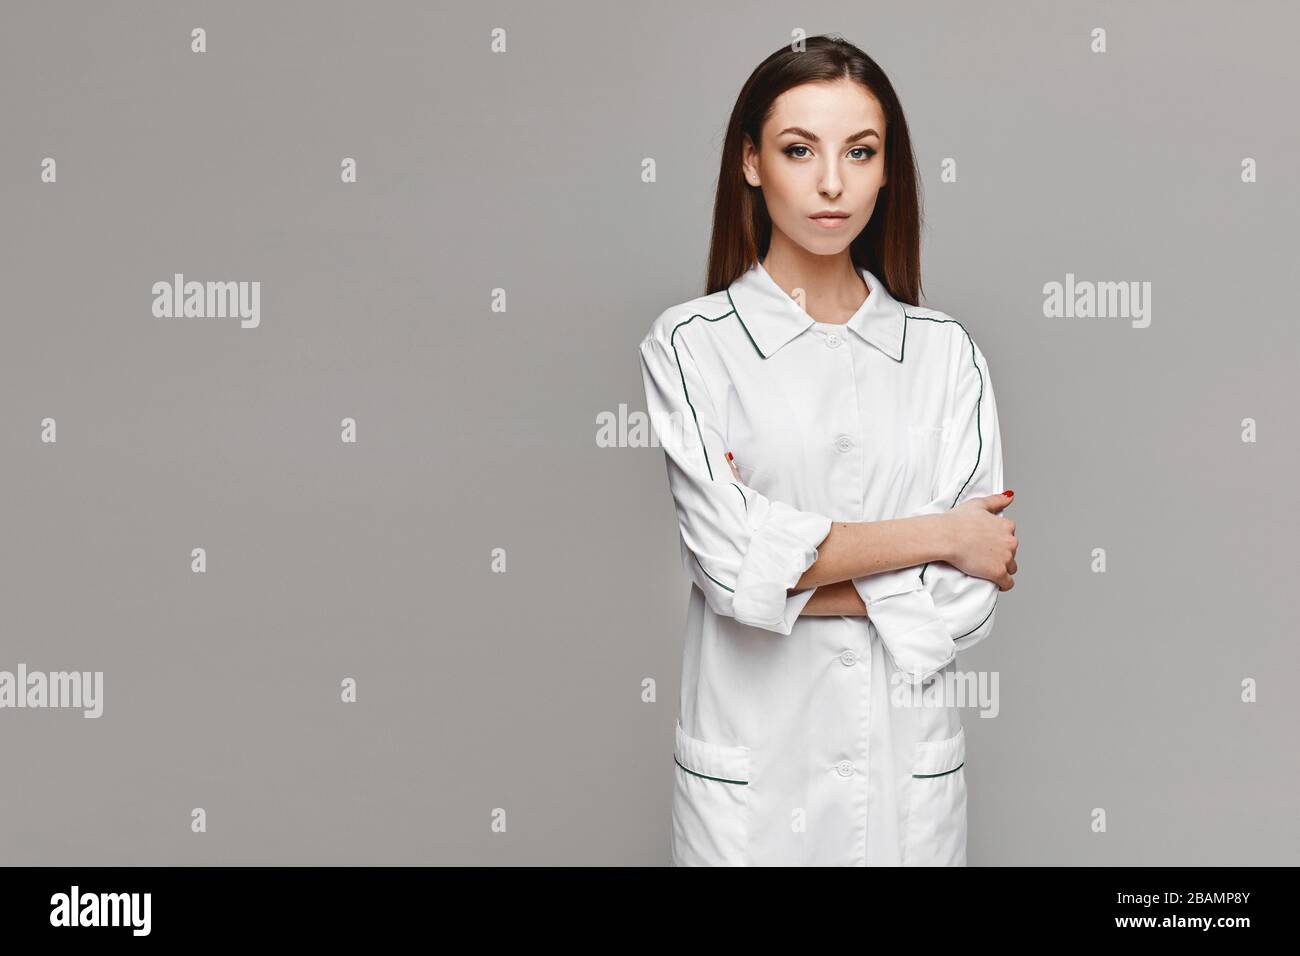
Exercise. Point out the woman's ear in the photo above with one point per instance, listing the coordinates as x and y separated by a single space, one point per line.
749 161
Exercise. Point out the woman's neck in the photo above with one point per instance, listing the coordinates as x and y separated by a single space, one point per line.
832 289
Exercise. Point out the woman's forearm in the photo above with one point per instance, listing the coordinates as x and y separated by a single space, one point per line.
857 548
835 600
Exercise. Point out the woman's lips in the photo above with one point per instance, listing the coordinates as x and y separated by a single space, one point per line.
829 222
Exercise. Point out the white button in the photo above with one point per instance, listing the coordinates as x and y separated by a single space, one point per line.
845 768
848 658
844 443
832 341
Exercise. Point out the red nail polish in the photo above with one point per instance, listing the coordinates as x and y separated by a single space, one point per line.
1008 493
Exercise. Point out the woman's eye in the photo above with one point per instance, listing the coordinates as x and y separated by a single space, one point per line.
867 150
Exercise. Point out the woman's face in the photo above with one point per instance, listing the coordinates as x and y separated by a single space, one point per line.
823 149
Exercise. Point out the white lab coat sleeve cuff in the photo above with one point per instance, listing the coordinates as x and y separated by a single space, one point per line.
912 630
782 547
968 604
883 584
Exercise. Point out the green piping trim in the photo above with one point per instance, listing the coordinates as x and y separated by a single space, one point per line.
686 392
944 774
743 783
711 577
743 325
742 495
979 402
980 624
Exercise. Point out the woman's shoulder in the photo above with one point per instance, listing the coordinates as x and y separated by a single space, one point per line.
667 327
939 334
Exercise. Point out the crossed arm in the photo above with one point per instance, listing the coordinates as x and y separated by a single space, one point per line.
765 562
835 600
891 544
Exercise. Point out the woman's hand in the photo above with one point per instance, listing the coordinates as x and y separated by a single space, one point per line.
982 541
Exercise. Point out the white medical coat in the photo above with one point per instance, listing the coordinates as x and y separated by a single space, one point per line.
791 744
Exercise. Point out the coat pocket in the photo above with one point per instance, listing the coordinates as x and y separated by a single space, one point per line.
935 833
710 803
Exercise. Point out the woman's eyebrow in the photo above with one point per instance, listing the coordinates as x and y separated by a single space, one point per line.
805 134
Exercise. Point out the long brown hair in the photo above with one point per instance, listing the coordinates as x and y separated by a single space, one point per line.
890 244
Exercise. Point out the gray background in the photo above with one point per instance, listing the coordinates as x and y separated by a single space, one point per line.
477 429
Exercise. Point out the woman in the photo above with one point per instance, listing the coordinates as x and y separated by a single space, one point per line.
834 459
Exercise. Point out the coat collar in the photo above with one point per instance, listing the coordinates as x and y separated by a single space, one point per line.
772 318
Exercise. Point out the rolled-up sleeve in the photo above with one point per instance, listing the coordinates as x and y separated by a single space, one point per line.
742 549
926 613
